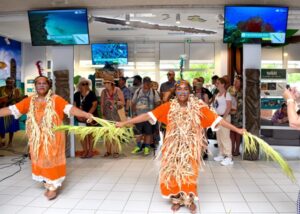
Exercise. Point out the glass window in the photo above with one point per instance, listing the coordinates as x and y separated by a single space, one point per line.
152 75
204 68
169 64
271 64
293 79
293 64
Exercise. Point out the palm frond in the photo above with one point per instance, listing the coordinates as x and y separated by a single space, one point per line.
250 141
107 131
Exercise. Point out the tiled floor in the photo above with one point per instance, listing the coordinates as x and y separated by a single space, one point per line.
129 185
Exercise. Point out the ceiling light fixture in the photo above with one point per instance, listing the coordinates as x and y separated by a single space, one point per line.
177 18
127 19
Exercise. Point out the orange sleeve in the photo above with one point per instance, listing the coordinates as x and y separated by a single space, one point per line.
161 113
207 117
60 104
23 105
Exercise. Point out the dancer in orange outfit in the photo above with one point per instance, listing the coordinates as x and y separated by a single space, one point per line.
185 117
47 149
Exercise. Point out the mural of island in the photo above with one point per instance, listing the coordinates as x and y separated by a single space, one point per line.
255 24
10 60
58 27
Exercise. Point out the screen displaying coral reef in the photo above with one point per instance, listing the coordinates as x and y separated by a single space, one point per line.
109 53
255 24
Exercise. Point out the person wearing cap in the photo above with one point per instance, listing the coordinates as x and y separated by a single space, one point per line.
112 99
144 99
185 117
86 100
167 87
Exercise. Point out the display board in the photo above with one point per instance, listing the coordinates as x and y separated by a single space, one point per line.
273 83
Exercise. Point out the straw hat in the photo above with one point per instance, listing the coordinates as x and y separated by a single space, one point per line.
83 80
109 79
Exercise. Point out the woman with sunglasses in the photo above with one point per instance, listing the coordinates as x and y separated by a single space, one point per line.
86 100
112 100
185 117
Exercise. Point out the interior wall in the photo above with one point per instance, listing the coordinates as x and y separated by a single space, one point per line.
221 59
30 55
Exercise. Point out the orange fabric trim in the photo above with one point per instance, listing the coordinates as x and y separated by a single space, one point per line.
174 190
52 173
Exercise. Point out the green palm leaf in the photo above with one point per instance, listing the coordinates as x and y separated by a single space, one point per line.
107 131
249 143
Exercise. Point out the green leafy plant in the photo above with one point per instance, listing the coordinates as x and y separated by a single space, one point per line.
250 146
107 131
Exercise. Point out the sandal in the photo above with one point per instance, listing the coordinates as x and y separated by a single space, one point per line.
89 155
2 143
83 156
106 154
175 207
116 155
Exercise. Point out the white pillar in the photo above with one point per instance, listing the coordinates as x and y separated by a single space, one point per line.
63 59
221 59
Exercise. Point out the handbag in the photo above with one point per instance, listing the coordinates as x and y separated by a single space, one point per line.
122 115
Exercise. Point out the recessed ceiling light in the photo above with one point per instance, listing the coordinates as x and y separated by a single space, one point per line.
177 18
127 19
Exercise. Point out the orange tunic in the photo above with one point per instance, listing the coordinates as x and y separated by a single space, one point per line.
208 118
51 167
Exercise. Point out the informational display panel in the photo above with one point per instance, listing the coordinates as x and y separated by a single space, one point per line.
273 83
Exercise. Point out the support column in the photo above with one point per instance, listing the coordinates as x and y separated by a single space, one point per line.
63 59
251 92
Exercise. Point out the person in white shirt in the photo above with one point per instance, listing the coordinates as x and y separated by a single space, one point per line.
222 105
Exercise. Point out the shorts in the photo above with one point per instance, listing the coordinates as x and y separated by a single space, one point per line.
143 128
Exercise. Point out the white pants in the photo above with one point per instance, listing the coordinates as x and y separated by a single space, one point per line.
223 138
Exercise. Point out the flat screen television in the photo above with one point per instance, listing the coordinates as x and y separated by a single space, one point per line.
109 53
255 24
59 27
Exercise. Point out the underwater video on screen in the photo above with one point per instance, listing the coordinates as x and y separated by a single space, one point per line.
58 27
255 24
111 53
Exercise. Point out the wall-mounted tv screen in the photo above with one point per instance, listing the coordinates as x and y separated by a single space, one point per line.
111 53
255 24
59 27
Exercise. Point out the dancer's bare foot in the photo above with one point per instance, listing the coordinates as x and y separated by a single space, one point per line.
175 207
52 194
193 208
46 192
